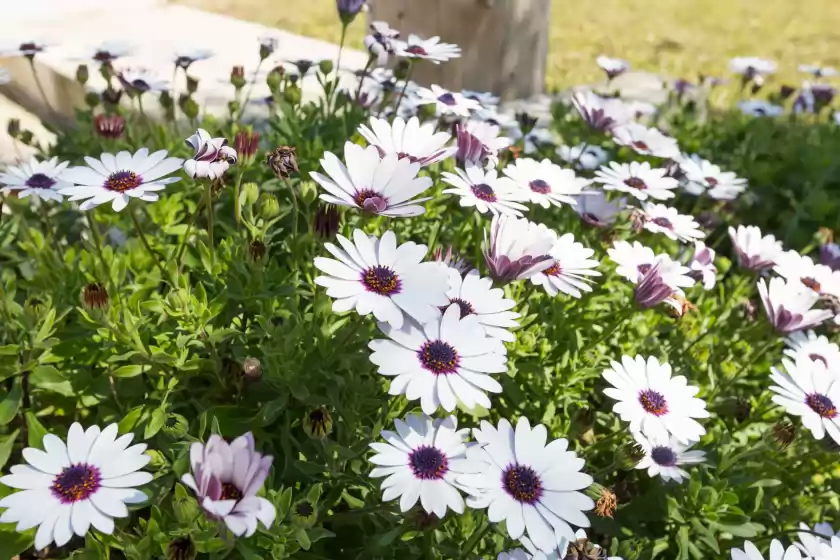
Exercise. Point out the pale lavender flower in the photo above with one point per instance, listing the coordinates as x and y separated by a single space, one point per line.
830 255
212 156
790 308
517 249
702 265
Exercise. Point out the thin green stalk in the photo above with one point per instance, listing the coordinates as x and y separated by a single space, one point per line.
619 320
362 79
405 85
294 205
474 539
40 85
248 93
758 354
209 207
97 242
237 207
183 245
145 242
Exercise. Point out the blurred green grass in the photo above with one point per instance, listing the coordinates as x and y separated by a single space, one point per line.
678 38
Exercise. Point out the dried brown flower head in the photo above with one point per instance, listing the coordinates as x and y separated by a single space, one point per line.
95 296
606 504
283 161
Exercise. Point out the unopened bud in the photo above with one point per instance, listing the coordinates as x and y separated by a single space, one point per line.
158 461
252 369
181 548
26 137
94 296
92 99
176 426
257 250
783 433
165 100
401 69
326 66
268 206
190 108
275 78
192 85
237 77
82 74
318 423
292 94
250 193
628 456
13 128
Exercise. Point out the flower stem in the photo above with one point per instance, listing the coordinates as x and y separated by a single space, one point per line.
474 539
294 205
362 78
97 242
237 207
249 92
183 245
405 87
145 242
40 86
209 207
757 355
608 331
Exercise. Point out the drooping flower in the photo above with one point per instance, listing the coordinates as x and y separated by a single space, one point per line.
212 156
636 261
668 221
580 548
535 488
421 461
447 360
379 185
755 252
777 552
583 156
653 401
545 183
818 71
375 275
432 49
141 80
477 296
789 307
637 179
28 48
811 545
665 455
70 486
702 265
760 108
283 161
600 114
646 141
485 190
572 265
119 178
517 249
226 478
446 102
38 179
479 144
408 140
612 66
808 390
815 348
653 288
349 9
595 210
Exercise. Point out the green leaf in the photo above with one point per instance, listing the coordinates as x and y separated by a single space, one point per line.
130 420
13 543
127 371
765 483
746 531
7 443
11 404
45 376
155 423
9 350
303 539
36 431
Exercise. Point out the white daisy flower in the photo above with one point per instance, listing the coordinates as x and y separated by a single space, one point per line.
485 190
655 403
612 66
668 221
408 140
760 108
829 550
755 252
536 138
635 261
599 113
594 208
702 265
752 66
789 307
446 361
517 249
818 278
119 178
814 347
704 177
26 47
561 552
665 454
583 155
446 102
479 144
107 52
545 183
373 275
811 544
487 99
380 41
39 179
421 461
226 478
69 487
818 71
777 552
432 49
646 141
571 264
477 296
379 185
142 80
810 391
185 56
533 487
637 179
212 156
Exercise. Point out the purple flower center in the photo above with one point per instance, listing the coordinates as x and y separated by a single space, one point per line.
370 200
104 56
663 222
712 181
653 402
553 270
230 492
183 62
540 186
438 357
416 49
822 405
381 280
122 181
522 483
641 146
447 99
40 181
484 192
465 306
644 268
428 463
663 456
30 48
635 183
76 483
818 358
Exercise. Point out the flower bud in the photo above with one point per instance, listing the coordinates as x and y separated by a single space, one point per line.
192 85
250 193
158 461
783 433
237 77
13 128
327 221
175 426
109 126
268 206
308 191
26 137
165 100
92 99
234 106
188 106
401 69
422 520
252 368
94 296
106 71
292 94
628 456
303 65
318 423
111 97
181 548
283 161
246 143
275 78
256 250
304 514
82 74
326 66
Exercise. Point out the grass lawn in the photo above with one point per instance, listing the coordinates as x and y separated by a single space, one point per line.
675 37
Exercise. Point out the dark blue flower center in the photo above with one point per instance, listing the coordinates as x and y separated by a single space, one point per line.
438 357
484 192
818 358
465 306
40 181
230 492
540 186
104 56
122 181
822 405
663 222
653 402
663 456
381 280
447 99
428 463
522 483
76 483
